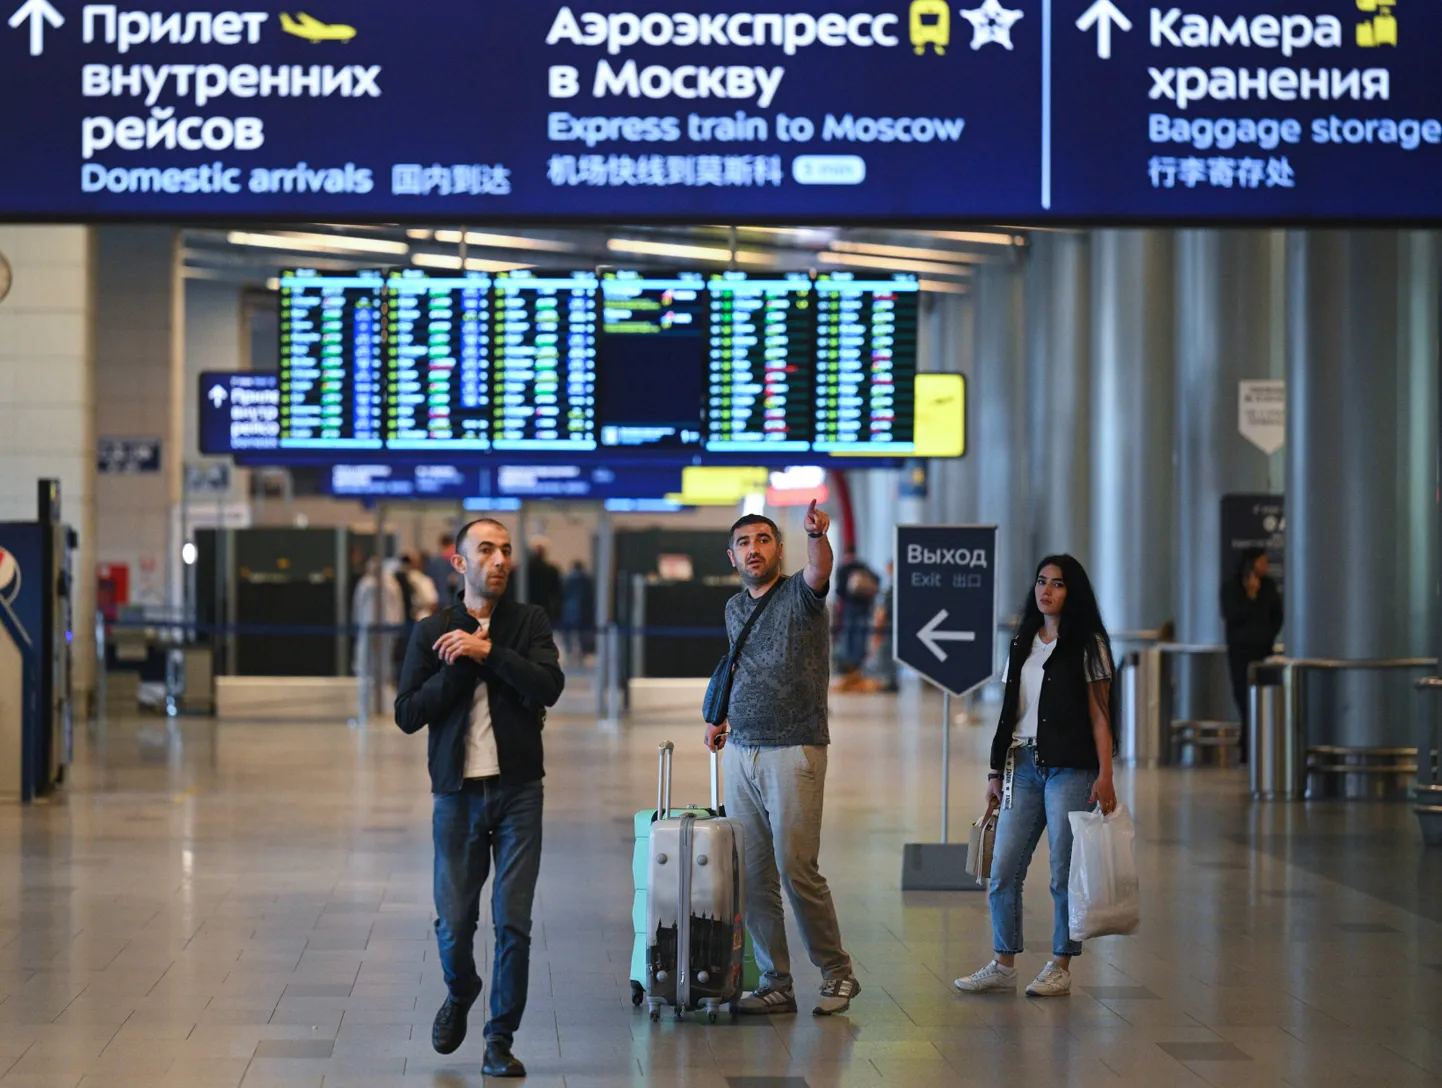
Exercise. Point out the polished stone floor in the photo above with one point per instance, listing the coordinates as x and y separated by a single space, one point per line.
212 906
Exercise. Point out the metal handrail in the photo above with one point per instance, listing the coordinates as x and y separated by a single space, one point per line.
1341 665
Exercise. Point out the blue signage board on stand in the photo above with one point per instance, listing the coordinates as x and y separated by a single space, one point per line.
809 111
945 624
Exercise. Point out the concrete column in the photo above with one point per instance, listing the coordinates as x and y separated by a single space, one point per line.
1058 368
1133 482
996 393
946 345
1227 314
47 398
1362 438
139 394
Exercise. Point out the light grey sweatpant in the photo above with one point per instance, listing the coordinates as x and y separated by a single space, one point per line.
776 794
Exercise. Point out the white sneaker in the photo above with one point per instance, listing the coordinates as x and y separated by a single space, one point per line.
1054 981
991 977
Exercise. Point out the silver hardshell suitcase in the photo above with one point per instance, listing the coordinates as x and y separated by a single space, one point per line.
695 894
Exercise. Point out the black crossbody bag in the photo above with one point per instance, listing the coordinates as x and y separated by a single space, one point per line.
717 703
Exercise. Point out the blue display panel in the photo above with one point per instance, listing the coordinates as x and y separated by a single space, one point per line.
651 355
762 367
240 414
543 378
815 111
438 361
582 482
866 329
331 380
401 481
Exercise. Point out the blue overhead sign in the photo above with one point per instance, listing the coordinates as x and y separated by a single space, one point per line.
807 110
945 603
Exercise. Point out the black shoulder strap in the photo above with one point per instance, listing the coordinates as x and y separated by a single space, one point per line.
751 619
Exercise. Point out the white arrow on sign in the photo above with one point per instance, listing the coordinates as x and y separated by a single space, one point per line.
1102 15
217 395
39 12
932 638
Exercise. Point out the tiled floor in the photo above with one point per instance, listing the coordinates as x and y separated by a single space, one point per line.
250 904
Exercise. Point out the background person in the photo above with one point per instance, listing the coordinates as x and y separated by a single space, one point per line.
1051 756
776 761
480 675
1252 610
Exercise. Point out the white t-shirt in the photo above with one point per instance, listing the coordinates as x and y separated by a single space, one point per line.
482 759
1032 674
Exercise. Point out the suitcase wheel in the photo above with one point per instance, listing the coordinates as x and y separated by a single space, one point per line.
655 1016
711 1017
734 1009
638 993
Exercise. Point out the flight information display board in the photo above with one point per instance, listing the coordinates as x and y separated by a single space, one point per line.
761 367
652 346
668 366
438 360
330 360
543 377
865 362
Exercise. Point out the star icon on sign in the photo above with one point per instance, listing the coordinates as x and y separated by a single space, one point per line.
991 23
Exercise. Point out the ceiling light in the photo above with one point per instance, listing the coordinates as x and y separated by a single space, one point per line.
503 241
689 253
473 264
420 234
856 260
983 238
910 251
943 287
316 243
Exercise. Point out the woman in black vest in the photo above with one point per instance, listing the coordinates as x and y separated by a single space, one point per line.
1052 755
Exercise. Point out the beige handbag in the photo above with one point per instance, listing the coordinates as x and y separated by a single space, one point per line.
983 842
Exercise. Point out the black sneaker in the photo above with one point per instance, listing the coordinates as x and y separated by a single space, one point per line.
449 1030
836 995
500 1062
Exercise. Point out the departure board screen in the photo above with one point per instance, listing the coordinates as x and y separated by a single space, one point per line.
331 394
438 360
652 359
761 370
543 361
865 362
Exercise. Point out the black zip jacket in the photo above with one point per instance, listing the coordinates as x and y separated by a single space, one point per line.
1064 724
522 677
1253 623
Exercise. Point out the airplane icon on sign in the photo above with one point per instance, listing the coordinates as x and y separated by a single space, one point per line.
313 30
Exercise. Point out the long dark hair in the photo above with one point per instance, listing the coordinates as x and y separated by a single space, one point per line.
1245 562
1081 629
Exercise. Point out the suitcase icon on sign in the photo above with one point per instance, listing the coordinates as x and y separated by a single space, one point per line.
930 25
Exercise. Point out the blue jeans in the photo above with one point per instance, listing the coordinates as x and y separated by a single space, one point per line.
487 816
1041 798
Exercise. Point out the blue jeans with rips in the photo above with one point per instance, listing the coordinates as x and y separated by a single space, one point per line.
483 818
1041 799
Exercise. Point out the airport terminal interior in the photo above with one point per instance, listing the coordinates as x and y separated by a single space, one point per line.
218 857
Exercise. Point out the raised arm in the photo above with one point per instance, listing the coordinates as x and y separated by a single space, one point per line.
819 558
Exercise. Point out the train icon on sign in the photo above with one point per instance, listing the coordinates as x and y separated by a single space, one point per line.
9 577
930 25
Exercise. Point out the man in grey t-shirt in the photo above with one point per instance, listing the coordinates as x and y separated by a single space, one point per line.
776 759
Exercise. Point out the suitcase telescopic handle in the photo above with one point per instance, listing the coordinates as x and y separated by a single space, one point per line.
715 781
663 780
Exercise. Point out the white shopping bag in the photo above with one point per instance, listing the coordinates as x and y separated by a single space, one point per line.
1104 893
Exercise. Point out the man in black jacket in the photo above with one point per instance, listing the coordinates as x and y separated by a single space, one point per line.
480 674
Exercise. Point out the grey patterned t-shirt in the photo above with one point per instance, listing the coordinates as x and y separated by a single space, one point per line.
778 696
